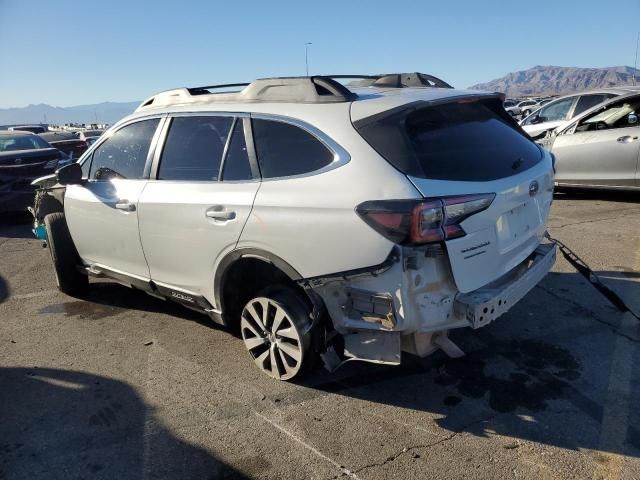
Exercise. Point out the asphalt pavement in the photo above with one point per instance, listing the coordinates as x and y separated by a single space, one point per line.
121 385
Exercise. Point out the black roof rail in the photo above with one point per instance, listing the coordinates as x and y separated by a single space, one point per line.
400 80
208 88
314 89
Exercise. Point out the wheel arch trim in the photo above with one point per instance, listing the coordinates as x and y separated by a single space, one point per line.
248 252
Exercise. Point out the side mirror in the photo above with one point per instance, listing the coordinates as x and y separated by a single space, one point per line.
632 119
70 174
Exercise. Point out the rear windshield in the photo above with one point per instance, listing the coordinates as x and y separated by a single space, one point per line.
21 142
465 141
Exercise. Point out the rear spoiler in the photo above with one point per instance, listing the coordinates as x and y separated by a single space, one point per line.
411 106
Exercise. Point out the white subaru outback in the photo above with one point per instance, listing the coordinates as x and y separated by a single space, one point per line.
352 223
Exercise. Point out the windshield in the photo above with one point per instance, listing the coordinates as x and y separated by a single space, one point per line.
612 115
22 142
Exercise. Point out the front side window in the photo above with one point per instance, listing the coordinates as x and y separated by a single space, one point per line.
284 150
555 111
124 154
194 148
620 114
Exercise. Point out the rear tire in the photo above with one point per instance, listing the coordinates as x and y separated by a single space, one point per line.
276 327
64 256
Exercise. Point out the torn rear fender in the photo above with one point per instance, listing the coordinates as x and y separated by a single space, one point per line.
412 291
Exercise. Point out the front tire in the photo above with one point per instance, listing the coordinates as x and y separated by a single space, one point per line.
276 330
64 256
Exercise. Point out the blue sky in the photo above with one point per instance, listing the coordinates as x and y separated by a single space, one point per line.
65 52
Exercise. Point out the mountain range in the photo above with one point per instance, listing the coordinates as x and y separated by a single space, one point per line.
107 112
552 80
539 80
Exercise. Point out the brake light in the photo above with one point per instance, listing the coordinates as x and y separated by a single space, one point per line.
416 222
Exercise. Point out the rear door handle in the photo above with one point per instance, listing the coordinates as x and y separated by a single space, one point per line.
218 212
627 139
125 205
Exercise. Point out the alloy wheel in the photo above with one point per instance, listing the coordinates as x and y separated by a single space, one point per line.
272 338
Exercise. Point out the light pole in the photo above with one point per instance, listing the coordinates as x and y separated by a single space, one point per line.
306 56
635 64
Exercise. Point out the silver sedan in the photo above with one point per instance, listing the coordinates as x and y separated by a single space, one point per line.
601 147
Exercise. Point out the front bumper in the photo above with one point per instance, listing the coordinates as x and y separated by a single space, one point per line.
484 305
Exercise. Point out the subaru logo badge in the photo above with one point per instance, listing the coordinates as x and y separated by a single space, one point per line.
533 188
17 161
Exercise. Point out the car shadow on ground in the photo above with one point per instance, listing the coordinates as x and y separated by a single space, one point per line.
106 299
537 381
63 424
529 370
4 289
16 225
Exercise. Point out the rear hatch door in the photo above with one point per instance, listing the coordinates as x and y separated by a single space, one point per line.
470 145
505 234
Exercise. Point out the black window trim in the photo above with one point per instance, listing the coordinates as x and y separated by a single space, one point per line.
571 128
340 155
88 155
590 94
572 107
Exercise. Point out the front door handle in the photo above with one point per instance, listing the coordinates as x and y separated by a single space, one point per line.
125 205
627 139
218 212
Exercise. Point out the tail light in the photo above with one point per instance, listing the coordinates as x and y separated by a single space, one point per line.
415 222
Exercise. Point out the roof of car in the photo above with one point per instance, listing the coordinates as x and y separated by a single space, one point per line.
15 133
629 94
58 136
384 93
615 90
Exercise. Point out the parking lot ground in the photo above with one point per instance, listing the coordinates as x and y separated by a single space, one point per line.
121 385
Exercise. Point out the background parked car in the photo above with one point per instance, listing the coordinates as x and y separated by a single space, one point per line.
90 136
67 142
29 128
600 148
563 109
85 134
527 106
24 157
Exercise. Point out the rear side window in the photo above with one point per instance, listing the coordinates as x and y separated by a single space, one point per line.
464 141
284 150
585 102
236 164
124 154
194 148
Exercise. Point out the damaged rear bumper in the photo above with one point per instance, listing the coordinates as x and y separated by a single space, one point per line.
411 302
484 305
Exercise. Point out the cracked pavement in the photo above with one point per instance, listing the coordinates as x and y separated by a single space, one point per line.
122 385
